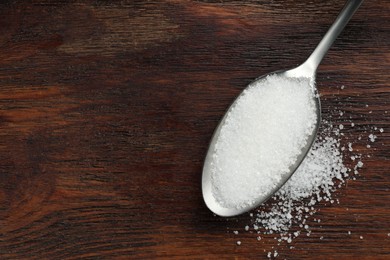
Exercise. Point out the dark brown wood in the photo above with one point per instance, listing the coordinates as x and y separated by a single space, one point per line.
107 108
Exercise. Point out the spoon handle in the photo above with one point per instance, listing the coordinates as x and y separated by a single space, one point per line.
341 21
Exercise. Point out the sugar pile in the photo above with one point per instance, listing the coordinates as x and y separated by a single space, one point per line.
289 212
262 136
321 172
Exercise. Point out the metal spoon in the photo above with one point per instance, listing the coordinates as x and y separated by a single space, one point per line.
308 70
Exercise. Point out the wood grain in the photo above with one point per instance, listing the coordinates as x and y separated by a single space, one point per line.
107 108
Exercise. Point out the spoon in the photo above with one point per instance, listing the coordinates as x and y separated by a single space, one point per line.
305 70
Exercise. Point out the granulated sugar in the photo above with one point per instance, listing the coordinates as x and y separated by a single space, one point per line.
261 138
288 214
319 174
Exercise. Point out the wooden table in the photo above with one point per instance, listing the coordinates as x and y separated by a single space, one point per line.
107 108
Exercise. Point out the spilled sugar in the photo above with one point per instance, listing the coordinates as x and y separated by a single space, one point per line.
262 136
291 212
288 213
319 175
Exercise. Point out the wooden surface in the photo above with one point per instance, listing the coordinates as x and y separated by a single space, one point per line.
107 108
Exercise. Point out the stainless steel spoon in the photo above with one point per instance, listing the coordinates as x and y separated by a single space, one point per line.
308 70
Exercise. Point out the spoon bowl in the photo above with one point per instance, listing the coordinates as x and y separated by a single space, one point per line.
208 196
306 70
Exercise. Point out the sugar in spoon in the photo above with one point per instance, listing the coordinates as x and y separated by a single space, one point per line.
305 70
